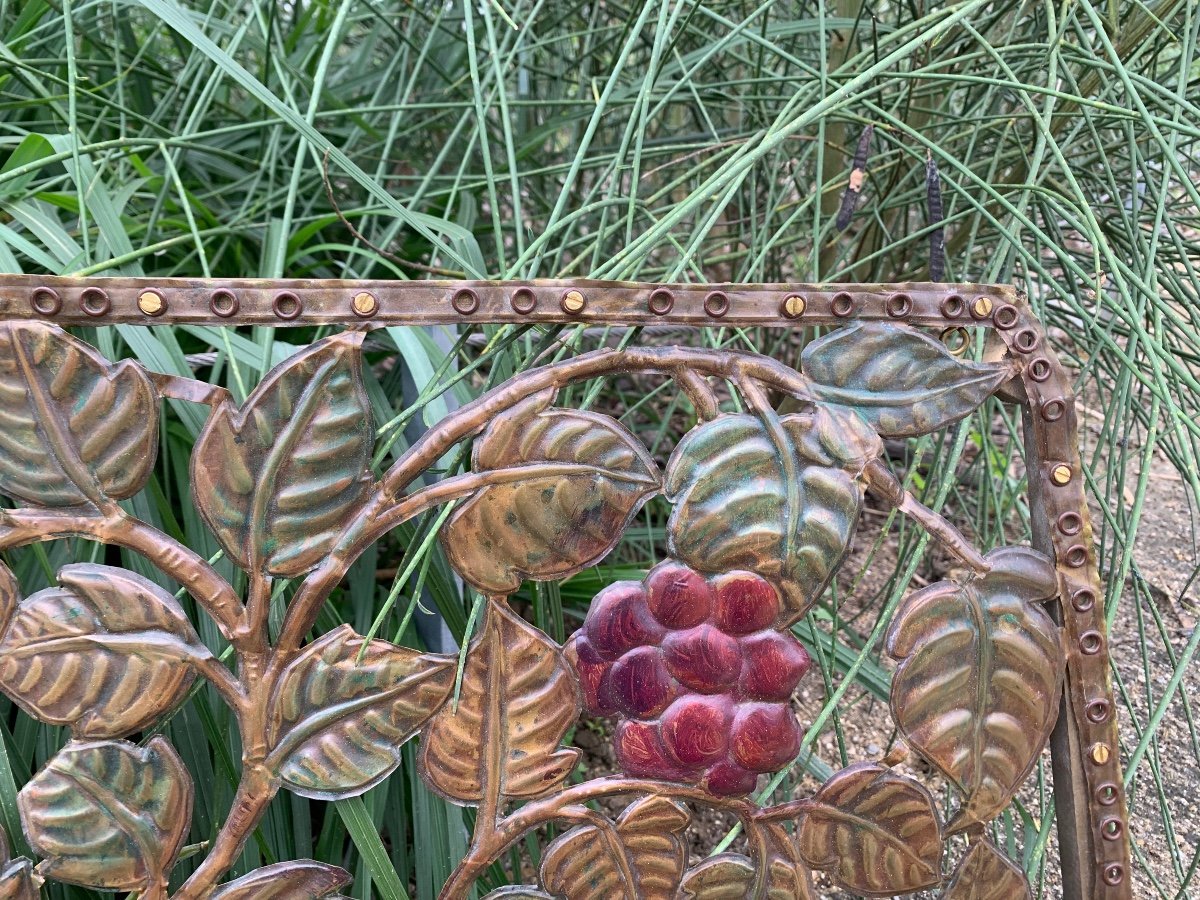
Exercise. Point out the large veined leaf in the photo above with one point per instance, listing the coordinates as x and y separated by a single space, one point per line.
109 814
726 876
337 722
780 501
902 381
519 696
73 427
987 874
980 677
567 485
18 880
583 865
107 652
300 879
874 831
278 479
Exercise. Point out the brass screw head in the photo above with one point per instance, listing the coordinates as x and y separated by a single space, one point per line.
793 306
364 303
1100 754
573 302
1061 474
151 303
982 307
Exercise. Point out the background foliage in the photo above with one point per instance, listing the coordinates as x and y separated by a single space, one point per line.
672 140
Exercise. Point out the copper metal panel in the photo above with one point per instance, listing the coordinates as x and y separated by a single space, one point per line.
696 661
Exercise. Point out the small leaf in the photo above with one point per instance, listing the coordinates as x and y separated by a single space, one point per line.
518 892
980 678
727 876
780 502
108 652
18 881
301 879
278 479
586 864
576 480
987 874
874 831
337 722
73 427
109 814
10 596
901 381
518 698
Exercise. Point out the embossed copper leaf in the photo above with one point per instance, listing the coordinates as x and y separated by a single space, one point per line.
109 814
107 652
73 427
780 502
337 722
778 873
987 874
571 483
277 479
980 677
518 892
518 698
874 831
644 862
300 879
18 881
10 595
902 381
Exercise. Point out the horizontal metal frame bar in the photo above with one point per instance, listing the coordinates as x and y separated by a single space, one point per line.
282 302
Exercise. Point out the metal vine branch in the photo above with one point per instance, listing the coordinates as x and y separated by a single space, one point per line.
696 663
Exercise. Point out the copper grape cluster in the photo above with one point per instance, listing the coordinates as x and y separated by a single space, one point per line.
697 674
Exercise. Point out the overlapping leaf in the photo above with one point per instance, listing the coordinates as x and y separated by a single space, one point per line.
987 874
782 502
519 696
584 865
337 722
277 480
901 381
73 427
18 881
10 595
726 876
109 814
300 879
574 482
107 652
980 678
874 831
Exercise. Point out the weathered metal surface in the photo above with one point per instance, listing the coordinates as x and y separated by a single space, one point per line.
696 661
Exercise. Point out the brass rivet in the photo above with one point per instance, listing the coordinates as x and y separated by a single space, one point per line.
982 307
794 305
573 302
364 303
1061 474
151 303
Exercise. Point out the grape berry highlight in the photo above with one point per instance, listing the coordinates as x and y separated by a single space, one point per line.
697 676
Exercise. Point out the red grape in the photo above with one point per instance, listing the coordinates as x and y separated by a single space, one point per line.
745 602
765 736
640 752
728 779
703 658
696 729
619 620
775 663
641 685
678 596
